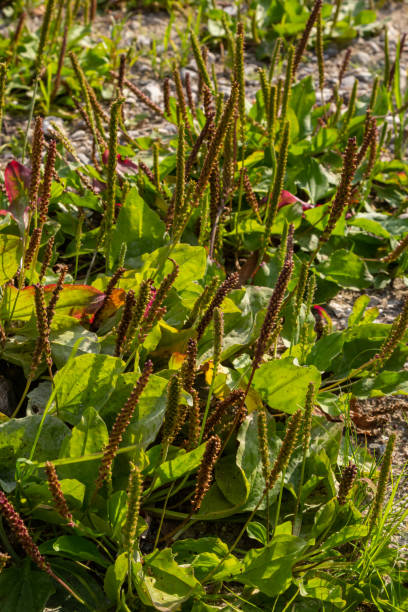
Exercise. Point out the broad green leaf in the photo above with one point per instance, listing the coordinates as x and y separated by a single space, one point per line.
369 225
231 480
179 466
11 250
346 534
283 385
324 590
63 342
192 261
17 437
324 517
346 269
115 577
269 569
87 380
164 584
205 554
25 589
257 531
138 226
88 436
357 313
325 350
386 383
74 547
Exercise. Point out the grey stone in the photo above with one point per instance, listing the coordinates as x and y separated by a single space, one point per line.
154 91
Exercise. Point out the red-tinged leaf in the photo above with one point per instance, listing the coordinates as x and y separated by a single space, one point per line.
288 198
123 162
17 181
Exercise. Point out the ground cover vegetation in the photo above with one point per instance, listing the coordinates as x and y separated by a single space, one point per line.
181 437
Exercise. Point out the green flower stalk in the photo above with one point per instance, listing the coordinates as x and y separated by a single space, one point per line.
111 174
239 76
395 336
278 182
263 441
32 248
42 324
54 486
119 427
166 96
194 421
3 80
208 101
56 293
179 193
16 37
378 501
47 257
271 118
47 181
310 291
344 66
202 302
300 288
200 61
139 310
218 318
192 158
230 161
188 369
125 322
319 49
373 150
36 151
249 193
301 47
190 98
45 28
230 283
346 483
351 109
170 425
134 497
162 293
399 249
4 559
106 298
343 194
286 450
275 303
374 92
367 137
287 87
144 99
265 88
215 146
59 135
86 98
205 472
275 58
62 52
180 96
215 194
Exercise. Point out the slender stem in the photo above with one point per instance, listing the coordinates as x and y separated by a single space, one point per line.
162 515
30 115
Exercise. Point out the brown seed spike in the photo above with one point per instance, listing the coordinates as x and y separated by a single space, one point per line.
205 471
230 283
